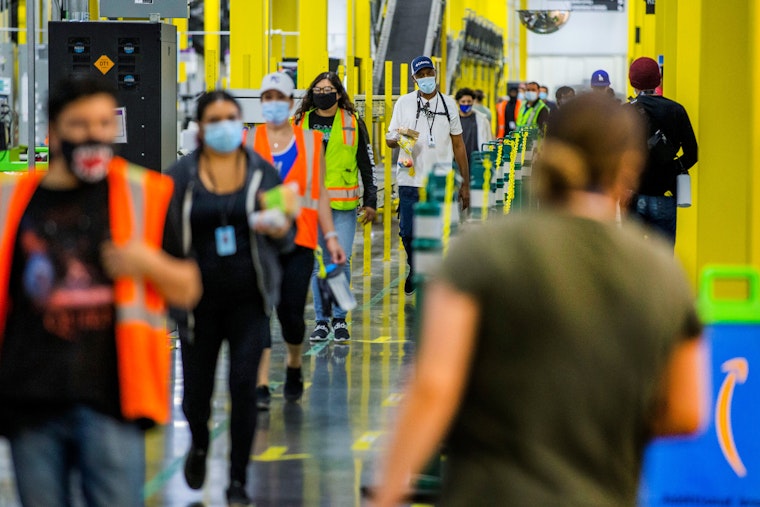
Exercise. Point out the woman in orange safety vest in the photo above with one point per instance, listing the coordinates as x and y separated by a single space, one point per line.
299 157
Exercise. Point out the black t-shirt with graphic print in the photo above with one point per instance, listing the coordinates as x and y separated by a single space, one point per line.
59 346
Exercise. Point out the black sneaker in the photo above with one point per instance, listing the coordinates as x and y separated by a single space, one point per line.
263 397
320 332
293 384
236 495
340 328
195 467
409 287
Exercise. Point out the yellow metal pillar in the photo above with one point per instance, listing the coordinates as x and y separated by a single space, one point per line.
682 67
388 179
363 46
312 40
725 198
21 13
94 9
754 39
524 46
181 24
350 44
403 78
249 42
211 23
283 19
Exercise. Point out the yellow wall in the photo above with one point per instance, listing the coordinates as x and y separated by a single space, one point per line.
725 166
284 18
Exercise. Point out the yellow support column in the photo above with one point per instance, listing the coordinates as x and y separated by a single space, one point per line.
403 78
312 40
388 180
363 47
754 40
94 9
21 12
181 24
524 45
725 200
350 44
682 67
249 42
211 23
283 19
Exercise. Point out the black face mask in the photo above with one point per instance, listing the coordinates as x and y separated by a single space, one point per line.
325 101
89 160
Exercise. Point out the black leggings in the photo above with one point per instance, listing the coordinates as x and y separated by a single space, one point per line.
245 326
296 277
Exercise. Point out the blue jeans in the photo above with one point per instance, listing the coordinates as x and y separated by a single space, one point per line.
108 454
345 226
657 212
407 198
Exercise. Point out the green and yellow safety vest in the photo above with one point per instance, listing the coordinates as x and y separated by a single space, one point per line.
342 171
528 117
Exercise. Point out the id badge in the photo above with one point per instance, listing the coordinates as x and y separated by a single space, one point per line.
225 241
431 141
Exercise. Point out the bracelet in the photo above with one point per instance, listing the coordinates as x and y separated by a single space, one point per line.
331 234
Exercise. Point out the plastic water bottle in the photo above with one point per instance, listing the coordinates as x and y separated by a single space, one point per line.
339 287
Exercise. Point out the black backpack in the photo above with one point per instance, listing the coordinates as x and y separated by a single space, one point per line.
661 149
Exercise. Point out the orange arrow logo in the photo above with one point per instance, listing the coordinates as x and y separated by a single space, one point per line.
737 370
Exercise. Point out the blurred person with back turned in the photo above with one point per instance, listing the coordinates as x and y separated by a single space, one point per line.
553 402
84 353
669 132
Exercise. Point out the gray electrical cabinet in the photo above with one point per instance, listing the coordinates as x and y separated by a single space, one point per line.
141 60
143 8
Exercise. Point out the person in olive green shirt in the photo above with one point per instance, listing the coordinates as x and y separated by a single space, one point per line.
554 344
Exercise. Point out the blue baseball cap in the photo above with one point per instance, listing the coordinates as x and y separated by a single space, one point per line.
600 78
421 62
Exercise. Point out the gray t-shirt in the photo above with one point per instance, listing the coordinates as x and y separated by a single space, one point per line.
578 319
470 134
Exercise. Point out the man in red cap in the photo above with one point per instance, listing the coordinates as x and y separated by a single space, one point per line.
669 132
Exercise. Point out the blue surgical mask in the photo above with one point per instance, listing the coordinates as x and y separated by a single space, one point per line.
542 95
223 136
465 109
275 111
531 96
520 96
426 84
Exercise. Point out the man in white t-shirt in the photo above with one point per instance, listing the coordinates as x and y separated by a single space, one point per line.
436 118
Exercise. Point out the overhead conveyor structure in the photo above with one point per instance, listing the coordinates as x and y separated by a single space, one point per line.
401 36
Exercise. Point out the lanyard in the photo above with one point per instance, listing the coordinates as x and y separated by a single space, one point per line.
429 115
225 211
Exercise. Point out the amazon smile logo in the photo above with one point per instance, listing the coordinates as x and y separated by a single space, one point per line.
736 370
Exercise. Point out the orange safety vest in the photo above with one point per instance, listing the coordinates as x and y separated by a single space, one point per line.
501 119
138 201
305 172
